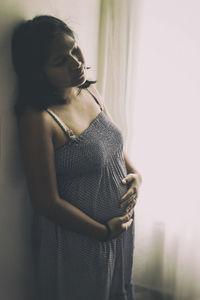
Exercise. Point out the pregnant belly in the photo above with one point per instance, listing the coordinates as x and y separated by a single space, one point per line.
96 197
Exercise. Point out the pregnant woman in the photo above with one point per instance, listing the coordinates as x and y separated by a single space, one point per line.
82 186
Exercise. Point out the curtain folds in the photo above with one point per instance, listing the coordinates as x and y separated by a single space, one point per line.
115 60
144 83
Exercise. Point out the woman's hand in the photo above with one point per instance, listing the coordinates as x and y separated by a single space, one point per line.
129 199
118 225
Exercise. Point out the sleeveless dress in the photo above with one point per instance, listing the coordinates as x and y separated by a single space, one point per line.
73 266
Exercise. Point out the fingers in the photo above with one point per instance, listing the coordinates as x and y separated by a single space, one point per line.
126 218
130 202
131 205
131 193
130 177
127 221
127 224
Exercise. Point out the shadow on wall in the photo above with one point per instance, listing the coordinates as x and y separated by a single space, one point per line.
156 256
10 16
152 262
15 210
149 259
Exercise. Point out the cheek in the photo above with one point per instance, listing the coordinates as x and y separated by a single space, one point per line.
58 76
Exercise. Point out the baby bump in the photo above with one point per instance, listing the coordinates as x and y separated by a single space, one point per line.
97 196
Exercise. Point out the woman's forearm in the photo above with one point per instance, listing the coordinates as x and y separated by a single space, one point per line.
130 168
72 218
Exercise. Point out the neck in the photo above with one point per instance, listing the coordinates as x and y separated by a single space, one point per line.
70 93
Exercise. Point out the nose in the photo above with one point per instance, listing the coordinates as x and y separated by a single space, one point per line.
75 63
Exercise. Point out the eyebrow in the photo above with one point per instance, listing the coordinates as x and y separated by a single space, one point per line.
55 58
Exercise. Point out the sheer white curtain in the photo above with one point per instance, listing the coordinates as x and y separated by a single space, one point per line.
149 77
115 59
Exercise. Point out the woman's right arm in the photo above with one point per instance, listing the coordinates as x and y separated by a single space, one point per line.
38 155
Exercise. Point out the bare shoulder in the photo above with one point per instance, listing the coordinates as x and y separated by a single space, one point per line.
96 93
34 120
35 126
38 155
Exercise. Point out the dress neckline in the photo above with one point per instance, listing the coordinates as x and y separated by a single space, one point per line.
80 136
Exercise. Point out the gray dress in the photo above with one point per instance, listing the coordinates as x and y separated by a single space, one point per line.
73 266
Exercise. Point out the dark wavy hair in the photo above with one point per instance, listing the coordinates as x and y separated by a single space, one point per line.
30 46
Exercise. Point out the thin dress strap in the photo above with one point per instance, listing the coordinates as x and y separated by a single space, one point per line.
69 133
95 99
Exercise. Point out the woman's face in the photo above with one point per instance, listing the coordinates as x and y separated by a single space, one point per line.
64 67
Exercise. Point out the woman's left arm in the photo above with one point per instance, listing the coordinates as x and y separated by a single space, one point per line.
131 169
133 178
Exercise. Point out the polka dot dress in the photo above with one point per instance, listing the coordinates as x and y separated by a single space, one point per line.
73 266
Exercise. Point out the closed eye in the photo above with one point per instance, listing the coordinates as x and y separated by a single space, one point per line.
62 61
75 50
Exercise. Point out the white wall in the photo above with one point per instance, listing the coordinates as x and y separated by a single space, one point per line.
15 209
166 143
